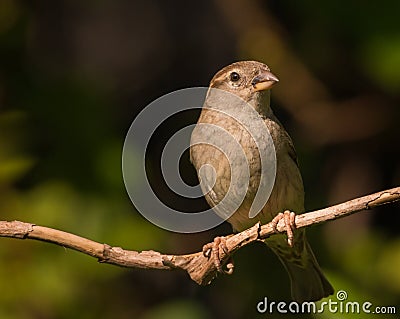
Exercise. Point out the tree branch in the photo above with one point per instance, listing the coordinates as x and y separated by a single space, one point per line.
200 268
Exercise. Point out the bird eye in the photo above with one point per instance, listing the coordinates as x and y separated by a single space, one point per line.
234 77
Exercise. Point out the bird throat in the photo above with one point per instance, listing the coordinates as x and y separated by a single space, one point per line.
260 101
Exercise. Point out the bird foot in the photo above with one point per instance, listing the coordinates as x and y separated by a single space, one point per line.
213 250
290 225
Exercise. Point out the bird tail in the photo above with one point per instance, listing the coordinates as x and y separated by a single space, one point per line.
308 283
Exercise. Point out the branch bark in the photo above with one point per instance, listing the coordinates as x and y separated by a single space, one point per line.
200 268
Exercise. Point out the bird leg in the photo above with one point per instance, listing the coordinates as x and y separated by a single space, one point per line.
213 250
290 225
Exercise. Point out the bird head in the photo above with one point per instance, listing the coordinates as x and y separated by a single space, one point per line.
249 80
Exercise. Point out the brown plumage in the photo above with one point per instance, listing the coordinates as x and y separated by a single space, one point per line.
251 82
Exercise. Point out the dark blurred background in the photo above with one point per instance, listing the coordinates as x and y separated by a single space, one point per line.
73 76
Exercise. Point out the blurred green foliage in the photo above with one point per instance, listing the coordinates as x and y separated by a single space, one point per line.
74 75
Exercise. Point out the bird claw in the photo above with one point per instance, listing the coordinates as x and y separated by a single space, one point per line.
290 224
213 250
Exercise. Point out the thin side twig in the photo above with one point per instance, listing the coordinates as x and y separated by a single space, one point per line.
200 268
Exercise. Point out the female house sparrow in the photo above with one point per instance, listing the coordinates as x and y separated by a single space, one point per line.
250 82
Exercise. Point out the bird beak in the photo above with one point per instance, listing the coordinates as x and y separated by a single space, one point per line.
264 81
